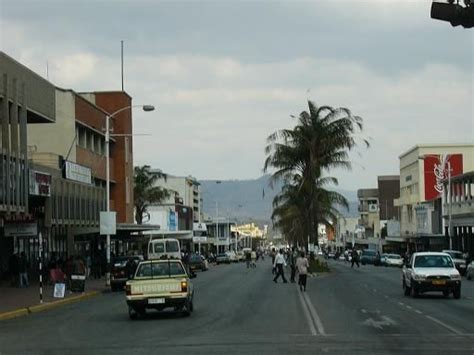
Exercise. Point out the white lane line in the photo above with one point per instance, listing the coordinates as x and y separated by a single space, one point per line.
419 312
386 296
306 311
401 303
314 314
363 310
409 307
455 331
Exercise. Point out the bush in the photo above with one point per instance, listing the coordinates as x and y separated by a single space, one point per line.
317 265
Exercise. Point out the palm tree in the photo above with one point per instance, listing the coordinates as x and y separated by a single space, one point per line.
319 143
145 193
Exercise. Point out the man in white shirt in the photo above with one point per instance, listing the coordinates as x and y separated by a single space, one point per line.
278 265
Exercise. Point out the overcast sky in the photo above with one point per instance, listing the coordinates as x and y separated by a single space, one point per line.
226 74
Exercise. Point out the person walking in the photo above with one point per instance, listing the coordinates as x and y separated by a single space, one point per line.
302 266
278 266
14 269
273 255
355 258
23 270
292 261
248 259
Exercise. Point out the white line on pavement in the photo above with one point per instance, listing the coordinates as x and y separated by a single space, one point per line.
444 325
314 314
419 312
306 311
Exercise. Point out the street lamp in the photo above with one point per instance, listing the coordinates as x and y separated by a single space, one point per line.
146 108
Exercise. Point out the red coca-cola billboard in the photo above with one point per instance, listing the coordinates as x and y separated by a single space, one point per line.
436 170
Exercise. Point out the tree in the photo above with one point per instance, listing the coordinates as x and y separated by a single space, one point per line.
304 156
145 193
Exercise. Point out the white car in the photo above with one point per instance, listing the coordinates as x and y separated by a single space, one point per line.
470 271
431 271
458 260
232 256
393 260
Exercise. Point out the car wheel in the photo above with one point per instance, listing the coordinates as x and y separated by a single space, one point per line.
457 293
446 293
469 277
187 309
406 289
131 313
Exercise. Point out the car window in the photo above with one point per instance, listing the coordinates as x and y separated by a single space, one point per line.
433 261
159 248
172 246
160 270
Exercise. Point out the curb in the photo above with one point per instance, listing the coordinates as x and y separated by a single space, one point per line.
46 306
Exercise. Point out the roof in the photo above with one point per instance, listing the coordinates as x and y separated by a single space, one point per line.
429 253
435 145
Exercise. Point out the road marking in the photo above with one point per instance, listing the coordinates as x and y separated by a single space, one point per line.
455 331
379 324
401 303
363 310
419 312
386 296
314 314
409 307
312 328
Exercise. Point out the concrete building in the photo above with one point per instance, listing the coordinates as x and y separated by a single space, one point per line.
25 99
459 208
346 231
423 169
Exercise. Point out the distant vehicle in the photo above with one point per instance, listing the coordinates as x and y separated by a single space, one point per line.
240 255
167 248
393 260
470 271
331 255
458 259
119 273
198 262
368 257
159 284
222 258
431 271
232 256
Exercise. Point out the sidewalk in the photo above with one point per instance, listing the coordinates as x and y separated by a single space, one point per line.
26 300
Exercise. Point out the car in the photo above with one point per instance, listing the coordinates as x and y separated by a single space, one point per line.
240 255
198 262
458 259
431 271
232 256
368 257
392 260
470 271
160 284
119 273
222 258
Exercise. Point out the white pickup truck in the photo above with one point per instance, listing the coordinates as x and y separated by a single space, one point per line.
431 271
159 284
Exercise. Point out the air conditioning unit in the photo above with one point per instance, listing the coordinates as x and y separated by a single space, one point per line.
373 208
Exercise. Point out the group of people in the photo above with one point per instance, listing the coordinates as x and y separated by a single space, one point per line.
19 266
298 264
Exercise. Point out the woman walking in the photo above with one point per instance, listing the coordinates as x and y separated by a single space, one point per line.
302 265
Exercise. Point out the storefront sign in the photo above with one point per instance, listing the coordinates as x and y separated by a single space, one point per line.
17 229
76 172
436 170
172 217
40 184
200 239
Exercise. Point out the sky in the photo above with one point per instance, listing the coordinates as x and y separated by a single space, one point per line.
224 75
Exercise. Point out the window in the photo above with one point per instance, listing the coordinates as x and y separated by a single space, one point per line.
159 248
172 247
127 147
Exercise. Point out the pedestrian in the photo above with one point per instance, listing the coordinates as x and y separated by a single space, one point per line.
23 270
278 265
302 265
248 258
88 265
355 258
14 269
292 261
273 255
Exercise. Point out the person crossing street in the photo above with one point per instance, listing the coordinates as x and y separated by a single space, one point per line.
278 265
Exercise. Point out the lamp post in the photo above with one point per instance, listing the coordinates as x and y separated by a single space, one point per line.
146 108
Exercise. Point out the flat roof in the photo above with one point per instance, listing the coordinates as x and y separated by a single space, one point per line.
435 145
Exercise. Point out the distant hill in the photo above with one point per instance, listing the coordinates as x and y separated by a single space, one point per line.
243 200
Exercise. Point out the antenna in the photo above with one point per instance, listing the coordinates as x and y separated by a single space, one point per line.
121 47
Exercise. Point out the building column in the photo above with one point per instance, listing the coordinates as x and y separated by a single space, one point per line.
69 241
6 141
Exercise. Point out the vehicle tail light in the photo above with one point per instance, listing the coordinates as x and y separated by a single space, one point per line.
128 289
184 286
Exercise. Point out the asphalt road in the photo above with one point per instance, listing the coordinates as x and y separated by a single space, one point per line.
241 311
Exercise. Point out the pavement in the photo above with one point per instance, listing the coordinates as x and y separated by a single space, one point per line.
15 302
241 311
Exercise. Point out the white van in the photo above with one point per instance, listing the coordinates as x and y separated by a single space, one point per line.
167 248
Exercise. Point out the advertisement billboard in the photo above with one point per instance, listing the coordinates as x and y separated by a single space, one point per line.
436 170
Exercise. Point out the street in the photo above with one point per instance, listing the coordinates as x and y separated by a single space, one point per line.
241 311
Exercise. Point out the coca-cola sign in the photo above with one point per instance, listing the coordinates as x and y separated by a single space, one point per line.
436 170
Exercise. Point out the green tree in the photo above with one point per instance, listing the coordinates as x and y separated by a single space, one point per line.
303 157
145 193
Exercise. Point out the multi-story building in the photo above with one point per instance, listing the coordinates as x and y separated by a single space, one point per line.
423 169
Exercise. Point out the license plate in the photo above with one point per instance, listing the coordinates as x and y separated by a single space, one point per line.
439 282
156 300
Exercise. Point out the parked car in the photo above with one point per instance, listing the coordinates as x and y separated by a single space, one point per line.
240 255
431 271
392 260
232 256
222 258
470 271
198 262
120 273
368 257
458 259
160 284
